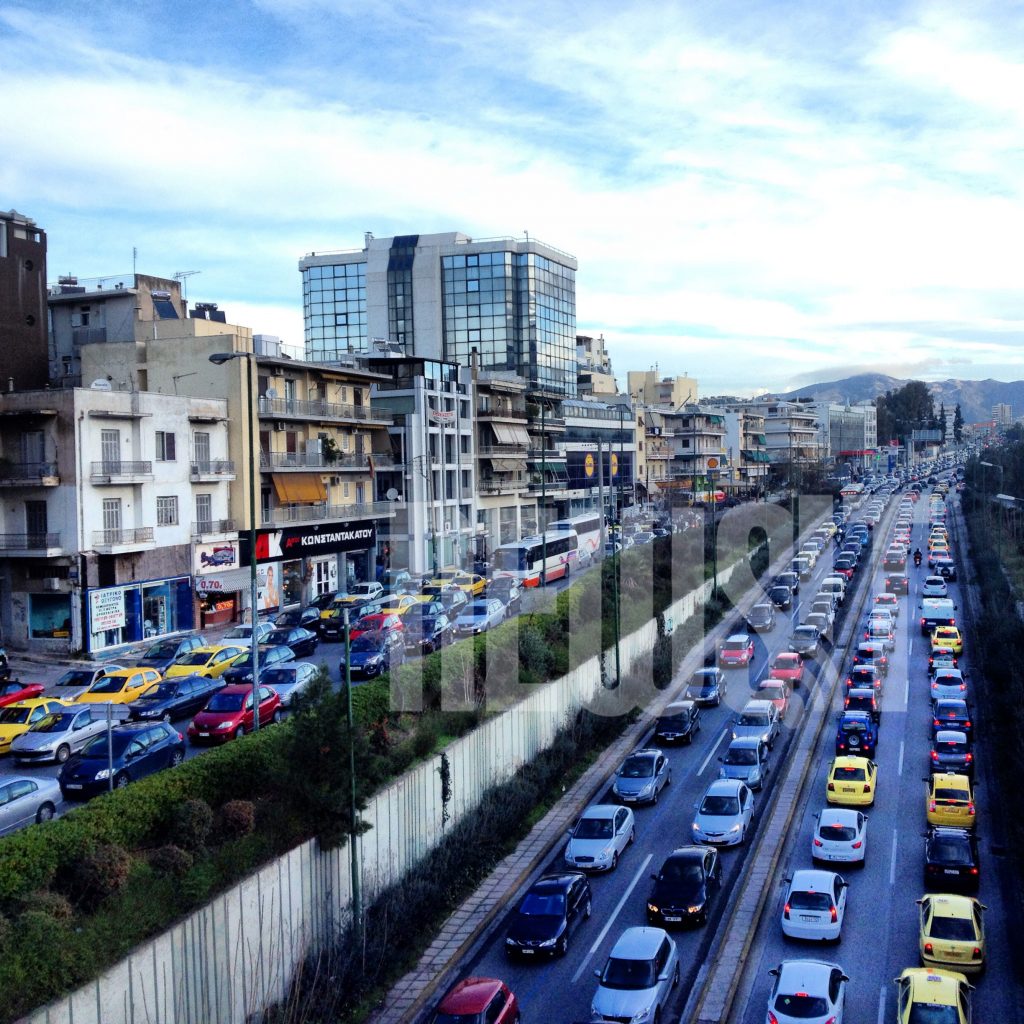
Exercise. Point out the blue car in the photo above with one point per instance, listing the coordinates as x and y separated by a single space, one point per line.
856 735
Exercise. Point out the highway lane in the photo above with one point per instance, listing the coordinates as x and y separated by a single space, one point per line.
880 931
562 989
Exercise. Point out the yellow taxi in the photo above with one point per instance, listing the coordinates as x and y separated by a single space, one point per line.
948 636
121 686
950 801
923 993
400 604
952 933
445 576
211 661
471 583
851 782
17 718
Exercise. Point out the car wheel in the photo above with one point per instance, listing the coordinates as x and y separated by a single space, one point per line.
675 977
45 813
615 860
239 732
176 758
654 799
657 1015
668 778
166 717
275 718
563 946
588 909
632 835
63 753
121 781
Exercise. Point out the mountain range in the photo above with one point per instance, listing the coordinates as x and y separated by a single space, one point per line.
976 397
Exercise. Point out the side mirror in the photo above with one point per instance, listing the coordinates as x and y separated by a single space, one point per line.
721 760
597 973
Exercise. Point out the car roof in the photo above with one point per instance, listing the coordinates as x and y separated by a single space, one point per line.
741 638
837 816
638 943
931 986
745 742
787 656
556 883
952 905
676 706
600 811
236 688
857 716
812 880
724 787
757 705
471 995
950 736
951 780
806 975
850 762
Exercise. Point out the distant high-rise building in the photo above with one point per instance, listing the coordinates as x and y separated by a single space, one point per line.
444 297
647 388
23 355
1002 414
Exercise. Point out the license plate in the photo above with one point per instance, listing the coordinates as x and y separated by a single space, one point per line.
204 734
527 952
807 917
950 871
848 789
667 918
73 785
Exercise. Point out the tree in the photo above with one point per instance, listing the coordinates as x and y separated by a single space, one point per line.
958 424
942 419
909 408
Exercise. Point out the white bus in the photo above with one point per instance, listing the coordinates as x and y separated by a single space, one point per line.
587 527
525 561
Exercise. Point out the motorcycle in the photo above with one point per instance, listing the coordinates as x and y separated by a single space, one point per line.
917 559
5 668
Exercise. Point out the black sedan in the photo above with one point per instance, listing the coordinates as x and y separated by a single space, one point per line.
303 642
306 617
428 633
952 713
136 749
707 687
553 908
372 654
164 653
951 859
684 887
269 654
897 583
678 722
180 697
781 597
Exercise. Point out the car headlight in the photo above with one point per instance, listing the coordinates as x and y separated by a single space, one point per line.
647 788
375 660
224 725
510 942
735 828
695 908
695 827
642 1014
103 773
548 942
652 908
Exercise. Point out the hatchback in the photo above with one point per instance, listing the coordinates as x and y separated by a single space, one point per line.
372 654
23 801
302 642
56 736
953 714
241 670
807 992
120 687
477 1001
211 660
289 680
76 681
229 714
737 651
164 653
17 719
640 972
552 909
679 721
760 719
707 687
863 700
815 906
483 614
600 837
840 836
724 813
951 752
952 933
642 776
746 759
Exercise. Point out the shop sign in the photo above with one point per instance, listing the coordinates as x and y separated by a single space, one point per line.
310 540
106 609
216 557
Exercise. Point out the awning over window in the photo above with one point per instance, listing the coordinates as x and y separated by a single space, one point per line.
508 465
510 434
557 468
295 488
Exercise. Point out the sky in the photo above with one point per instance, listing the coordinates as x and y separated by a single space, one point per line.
759 194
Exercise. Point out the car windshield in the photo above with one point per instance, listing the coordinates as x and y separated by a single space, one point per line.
14 716
55 723
810 901
165 649
194 658
366 644
849 774
637 768
629 974
160 692
734 645
594 828
801 1005
109 684
754 718
223 702
687 873
477 608
278 676
837 833
720 805
741 757
97 748
239 633
543 905
779 593
76 677
279 636
950 851
955 929
932 1013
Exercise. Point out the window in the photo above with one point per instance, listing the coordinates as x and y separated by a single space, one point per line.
110 449
111 520
204 511
164 446
201 449
167 510
36 523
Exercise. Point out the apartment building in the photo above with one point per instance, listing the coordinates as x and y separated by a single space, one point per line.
23 363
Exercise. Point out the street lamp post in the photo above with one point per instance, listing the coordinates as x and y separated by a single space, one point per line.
988 502
219 358
357 892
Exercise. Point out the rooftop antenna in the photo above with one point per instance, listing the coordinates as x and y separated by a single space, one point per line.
182 276
135 256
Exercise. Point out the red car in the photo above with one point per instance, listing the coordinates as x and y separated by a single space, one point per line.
478 1001
228 714
14 690
788 666
378 622
736 651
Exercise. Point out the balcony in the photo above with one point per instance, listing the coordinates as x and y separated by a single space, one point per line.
322 411
30 545
274 462
114 542
659 451
499 485
321 512
28 474
213 529
500 411
502 451
111 471
211 470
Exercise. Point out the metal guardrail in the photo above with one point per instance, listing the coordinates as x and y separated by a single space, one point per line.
313 513
113 538
317 460
319 409
212 467
118 467
208 526
26 470
28 541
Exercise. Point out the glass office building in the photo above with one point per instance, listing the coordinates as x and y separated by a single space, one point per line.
442 296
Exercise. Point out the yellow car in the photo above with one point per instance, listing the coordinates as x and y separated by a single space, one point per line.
471 583
952 933
211 661
927 994
17 718
447 575
851 782
950 801
400 604
948 636
121 686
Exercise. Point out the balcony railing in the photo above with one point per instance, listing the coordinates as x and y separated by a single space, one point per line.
26 472
28 541
321 511
318 409
497 485
317 460
507 451
119 468
212 467
206 527
123 538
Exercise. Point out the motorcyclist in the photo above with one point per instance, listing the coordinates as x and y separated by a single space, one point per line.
917 556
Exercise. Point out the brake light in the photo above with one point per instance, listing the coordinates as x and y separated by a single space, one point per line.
935 755
772 1019
931 805
974 871
963 686
970 808
831 787
967 724
817 841
970 758
928 947
857 845
922 622
867 787
936 723
785 911
835 915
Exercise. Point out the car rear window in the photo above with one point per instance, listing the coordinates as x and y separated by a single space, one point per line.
837 833
849 774
956 929
801 1006
950 796
810 901
950 851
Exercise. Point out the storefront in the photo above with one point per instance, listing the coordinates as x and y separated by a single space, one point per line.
219 583
138 611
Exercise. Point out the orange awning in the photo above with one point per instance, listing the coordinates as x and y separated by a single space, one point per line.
295 488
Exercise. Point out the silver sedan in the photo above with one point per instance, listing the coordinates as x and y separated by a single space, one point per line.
23 801
56 737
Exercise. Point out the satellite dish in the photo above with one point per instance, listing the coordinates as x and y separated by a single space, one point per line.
271 393
101 384
391 494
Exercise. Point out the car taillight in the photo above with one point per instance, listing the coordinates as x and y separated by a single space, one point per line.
772 1019
970 808
974 871
831 787
963 686
922 622
935 755
867 787
817 841
180 737
928 947
785 911
835 915
857 845
976 951
842 746
936 723
931 805
969 758
967 725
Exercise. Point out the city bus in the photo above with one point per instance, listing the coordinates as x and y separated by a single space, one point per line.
524 559
587 527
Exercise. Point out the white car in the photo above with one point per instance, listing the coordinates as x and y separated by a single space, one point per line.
723 815
638 977
482 614
815 906
807 992
887 600
840 836
600 837
934 586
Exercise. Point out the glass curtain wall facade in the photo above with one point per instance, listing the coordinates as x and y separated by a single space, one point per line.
334 304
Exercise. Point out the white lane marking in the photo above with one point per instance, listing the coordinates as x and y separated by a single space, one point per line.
892 866
881 1004
611 920
711 753
906 692
899 769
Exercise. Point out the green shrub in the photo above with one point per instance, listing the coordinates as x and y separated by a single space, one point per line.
371 702
98 875
193 823
235 819
199 882
171 860
53 903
